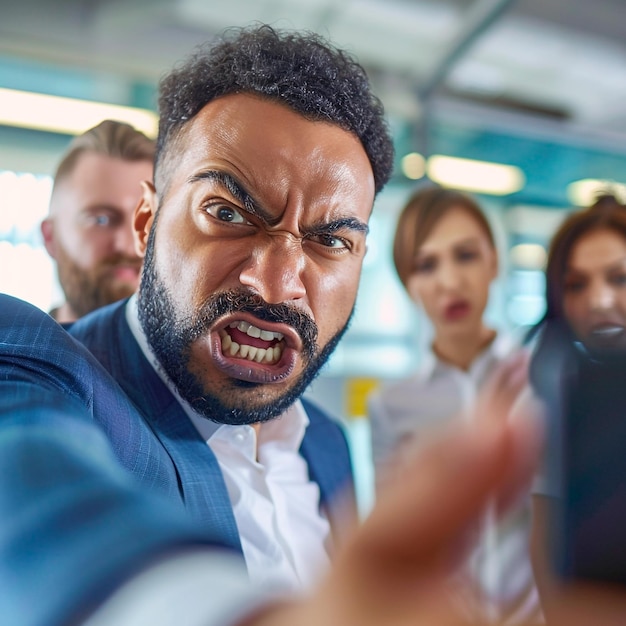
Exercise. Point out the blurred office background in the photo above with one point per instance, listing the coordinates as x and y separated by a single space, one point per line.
529 93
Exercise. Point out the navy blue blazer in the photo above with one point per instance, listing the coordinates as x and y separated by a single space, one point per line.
80 512
98 479
191 467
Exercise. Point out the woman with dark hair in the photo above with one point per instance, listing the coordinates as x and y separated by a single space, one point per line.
445 255
585 292
580 269
585 321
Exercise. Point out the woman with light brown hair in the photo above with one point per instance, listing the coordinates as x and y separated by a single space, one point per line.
445 255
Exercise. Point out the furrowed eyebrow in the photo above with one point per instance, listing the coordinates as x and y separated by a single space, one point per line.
348 223
237 190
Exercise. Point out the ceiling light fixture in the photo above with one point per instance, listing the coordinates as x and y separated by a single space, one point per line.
68 116
477 176
584 192
413 165
528 256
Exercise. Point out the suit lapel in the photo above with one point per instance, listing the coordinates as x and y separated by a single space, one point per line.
200 479
327 454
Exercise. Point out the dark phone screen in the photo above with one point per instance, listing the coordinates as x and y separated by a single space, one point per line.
592 519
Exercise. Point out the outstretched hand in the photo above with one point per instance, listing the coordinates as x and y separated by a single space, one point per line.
395 569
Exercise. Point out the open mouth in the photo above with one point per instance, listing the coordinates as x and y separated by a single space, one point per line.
259 352
457 310
245 341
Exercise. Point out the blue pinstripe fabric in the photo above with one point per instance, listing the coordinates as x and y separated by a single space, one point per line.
88 493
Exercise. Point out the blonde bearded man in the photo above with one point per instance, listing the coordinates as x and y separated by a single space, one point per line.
88 231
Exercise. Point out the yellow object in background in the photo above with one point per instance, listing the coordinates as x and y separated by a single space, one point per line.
356 392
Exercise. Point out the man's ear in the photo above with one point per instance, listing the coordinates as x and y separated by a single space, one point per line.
47 231
144 216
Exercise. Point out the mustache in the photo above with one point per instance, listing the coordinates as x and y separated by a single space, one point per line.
232 302
119 260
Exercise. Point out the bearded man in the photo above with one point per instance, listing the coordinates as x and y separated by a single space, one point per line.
253 236
88 231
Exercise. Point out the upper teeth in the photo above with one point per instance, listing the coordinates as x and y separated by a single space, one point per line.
270 355
253 331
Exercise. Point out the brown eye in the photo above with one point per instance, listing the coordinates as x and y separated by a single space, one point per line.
330 241
618 280
466 256
574 286
424 266
225 213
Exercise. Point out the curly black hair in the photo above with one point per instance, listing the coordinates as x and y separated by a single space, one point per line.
298 69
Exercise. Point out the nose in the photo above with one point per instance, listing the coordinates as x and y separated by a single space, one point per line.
449 276
274 269
601 296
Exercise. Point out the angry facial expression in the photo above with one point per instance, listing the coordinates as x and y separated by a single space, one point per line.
252 267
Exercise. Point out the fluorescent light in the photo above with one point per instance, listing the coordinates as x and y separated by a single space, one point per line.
413 165
585 192
478 176
67 115
528 256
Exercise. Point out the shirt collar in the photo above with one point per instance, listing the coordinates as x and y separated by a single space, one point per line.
289 427
498 349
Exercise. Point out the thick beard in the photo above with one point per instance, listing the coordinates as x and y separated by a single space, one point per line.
88 290
171 335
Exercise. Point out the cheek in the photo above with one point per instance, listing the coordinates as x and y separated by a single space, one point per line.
574 310
178 269
419 292
481 277
482 285
87 248
621 302
332 298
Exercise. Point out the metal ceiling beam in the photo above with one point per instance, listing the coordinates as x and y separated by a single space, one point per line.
477 19
481 15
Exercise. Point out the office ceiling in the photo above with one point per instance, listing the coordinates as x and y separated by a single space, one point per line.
565 59
545 68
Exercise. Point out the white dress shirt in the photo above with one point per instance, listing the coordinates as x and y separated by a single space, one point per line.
284 536
432 398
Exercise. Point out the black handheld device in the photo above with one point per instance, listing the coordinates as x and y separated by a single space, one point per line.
590 524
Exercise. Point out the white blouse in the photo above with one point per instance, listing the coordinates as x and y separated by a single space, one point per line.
437 395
